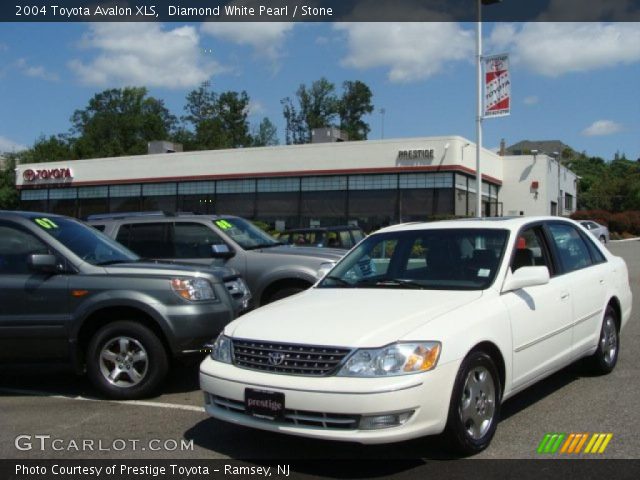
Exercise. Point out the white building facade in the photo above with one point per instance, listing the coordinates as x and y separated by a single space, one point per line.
369 183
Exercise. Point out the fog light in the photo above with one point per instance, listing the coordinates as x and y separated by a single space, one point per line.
376 422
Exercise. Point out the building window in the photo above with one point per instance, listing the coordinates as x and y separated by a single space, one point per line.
236 186
568 201
124 198
92 200
279 184
34 200
313 184
63 201
373 182
191 188
426 180
159 196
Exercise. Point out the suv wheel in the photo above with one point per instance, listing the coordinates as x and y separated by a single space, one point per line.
126 360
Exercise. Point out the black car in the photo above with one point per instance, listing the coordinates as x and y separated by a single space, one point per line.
69 293
343 236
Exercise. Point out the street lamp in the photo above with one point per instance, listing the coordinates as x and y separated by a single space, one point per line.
479 116
556 155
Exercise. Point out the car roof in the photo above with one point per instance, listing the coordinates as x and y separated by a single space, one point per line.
504 223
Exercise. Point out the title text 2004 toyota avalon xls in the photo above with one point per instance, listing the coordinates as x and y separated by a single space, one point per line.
423 329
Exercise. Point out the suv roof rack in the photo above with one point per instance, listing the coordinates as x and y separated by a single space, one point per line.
108 216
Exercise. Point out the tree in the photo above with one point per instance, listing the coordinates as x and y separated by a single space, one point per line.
265 135
318 106
218 121
354 104
120 122
52 149
8 192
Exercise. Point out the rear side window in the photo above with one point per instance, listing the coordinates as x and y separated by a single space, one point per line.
194 240
571 247
149 240
15 247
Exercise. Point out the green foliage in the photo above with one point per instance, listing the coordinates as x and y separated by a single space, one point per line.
265 135
8 192
120 122
355 103
318 106
218 121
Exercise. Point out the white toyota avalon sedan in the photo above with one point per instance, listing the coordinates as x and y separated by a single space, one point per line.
423 329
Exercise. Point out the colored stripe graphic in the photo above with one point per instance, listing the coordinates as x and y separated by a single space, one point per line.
573 443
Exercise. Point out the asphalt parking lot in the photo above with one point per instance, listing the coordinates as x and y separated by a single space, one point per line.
58 404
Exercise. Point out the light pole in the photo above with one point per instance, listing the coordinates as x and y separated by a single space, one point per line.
382 112
479 112
556 155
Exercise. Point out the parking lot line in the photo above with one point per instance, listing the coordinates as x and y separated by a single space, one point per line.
141 403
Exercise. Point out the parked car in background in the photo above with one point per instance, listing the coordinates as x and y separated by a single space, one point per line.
599 231
343 237
423 329
68 293
271 270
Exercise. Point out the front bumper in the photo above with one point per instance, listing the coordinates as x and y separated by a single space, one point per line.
192 326
331 407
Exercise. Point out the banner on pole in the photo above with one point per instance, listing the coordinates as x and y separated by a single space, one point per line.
497 86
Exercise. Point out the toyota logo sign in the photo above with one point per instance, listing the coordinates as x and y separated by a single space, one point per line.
30 175
276 358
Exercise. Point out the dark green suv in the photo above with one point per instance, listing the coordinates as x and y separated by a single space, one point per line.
70 293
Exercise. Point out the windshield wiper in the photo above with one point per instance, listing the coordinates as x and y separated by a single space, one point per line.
393 282
263 245
113 262
339 280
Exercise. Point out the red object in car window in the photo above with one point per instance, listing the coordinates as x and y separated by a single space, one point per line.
522 243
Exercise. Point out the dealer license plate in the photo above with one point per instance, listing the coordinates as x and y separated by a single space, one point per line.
264 404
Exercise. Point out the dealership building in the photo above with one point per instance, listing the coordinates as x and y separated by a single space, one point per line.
370 183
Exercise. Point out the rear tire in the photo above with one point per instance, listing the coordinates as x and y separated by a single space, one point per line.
605 358
474 409
126 360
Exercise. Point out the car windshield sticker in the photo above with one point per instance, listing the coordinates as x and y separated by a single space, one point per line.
223 224
484 272
45 223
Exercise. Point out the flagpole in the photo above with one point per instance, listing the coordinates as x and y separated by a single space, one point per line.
479 114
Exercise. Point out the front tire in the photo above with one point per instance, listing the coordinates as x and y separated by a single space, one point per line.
474 409
126 360
605 358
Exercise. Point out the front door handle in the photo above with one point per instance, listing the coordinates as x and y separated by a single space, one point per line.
564 296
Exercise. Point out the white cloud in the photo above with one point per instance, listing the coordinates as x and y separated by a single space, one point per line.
602 127
265 38
144 54
554 49
255 108
35 71
8 145
410 51
531 100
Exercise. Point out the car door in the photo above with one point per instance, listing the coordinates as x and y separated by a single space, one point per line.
541 316
586 270
34 307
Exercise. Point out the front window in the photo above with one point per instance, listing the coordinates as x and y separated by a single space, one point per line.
245 233
86 242
434 259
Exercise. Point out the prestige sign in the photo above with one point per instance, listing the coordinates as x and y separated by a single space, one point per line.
415 154
30 175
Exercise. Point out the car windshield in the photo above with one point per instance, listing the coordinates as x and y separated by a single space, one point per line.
245 233
434 259
86 242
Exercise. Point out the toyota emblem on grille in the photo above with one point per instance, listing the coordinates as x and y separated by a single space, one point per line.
276 358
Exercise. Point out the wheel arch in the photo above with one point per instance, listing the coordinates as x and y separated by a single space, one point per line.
495 353
614 302
109 314
279 284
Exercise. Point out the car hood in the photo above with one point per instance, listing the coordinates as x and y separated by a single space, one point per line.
348 317
222 272
327 254
158 268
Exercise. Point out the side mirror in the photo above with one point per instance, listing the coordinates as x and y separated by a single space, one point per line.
42 263
324 269
222 250
526 277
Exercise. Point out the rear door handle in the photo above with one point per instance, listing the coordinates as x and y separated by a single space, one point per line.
564 296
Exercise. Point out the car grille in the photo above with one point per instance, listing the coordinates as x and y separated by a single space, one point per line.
335 421
307 360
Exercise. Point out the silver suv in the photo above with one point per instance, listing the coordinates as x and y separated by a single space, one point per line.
70 294
272 270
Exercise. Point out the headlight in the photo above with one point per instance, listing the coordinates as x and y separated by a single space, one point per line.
221 350
194 289
396 359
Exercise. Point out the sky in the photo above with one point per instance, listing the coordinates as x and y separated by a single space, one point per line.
574 82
